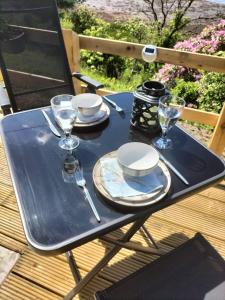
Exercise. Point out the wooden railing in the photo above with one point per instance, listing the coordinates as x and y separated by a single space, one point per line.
74 43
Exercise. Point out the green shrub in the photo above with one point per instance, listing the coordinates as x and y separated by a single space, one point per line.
212 92
188 90
114 66
134 30
82 19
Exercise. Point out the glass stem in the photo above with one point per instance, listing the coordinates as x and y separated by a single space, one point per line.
164 132
68 135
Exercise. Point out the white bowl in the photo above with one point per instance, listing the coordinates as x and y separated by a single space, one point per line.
88 104
137 159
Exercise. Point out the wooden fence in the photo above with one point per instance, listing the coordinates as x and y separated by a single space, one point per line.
74 43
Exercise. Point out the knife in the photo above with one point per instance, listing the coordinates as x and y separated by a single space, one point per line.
117 107
51 126
175 171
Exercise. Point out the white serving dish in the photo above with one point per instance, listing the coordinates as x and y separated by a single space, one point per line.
137 159
88 104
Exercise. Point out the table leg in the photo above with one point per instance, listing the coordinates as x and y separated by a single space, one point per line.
103 262
146 234
73 266
133 246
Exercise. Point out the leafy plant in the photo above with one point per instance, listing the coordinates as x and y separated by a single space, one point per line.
212 92
189 91
82 19
135 30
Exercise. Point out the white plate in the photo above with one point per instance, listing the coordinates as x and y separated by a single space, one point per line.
134 201
97 118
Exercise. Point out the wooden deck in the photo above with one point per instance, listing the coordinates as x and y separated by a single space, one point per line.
38 277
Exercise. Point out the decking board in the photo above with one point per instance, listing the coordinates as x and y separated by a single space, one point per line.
17 287
199 221
12 244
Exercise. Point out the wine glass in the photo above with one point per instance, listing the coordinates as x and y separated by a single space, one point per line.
169 110
60 101
65 115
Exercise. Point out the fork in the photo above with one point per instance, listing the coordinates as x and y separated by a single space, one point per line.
117 107
81 182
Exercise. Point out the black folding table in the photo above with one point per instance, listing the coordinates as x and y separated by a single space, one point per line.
55 216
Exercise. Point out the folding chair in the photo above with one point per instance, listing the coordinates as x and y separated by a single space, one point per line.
192 271
33 58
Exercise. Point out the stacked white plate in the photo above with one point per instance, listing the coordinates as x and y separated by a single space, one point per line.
119 187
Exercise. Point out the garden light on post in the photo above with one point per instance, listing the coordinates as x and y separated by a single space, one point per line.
149 53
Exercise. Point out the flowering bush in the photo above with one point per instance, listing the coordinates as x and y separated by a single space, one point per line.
170 73
210 41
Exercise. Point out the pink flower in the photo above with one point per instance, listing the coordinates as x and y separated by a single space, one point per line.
210 41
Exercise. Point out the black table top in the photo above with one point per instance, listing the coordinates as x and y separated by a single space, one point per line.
55 216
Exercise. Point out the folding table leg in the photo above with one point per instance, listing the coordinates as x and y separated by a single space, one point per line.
104 261
73 266
133 246
146 234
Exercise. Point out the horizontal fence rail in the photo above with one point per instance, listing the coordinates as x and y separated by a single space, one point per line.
164 55
182 58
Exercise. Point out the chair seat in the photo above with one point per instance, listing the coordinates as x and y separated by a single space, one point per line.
192 271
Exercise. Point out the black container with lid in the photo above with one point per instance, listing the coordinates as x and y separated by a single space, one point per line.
145 106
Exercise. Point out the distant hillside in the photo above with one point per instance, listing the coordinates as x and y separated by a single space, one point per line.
202 12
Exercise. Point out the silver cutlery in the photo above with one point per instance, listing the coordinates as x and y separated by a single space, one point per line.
175 171
81 182
117 107
51 126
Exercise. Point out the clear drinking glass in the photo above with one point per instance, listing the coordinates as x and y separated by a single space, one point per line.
169 110
60 101
65 115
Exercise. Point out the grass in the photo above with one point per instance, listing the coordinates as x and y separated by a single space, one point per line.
124 84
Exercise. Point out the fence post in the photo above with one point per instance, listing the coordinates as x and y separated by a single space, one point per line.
73 54
76 60
217 142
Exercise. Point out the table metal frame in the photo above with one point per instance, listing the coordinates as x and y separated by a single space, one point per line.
118 244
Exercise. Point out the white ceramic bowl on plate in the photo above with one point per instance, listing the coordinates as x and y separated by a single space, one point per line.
88 104
137 159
